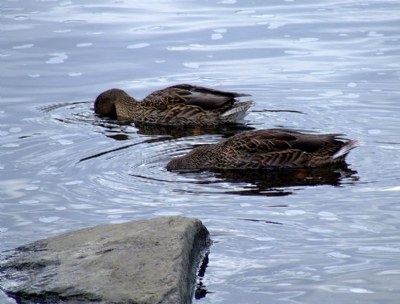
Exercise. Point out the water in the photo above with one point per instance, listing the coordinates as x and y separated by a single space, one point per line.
327 66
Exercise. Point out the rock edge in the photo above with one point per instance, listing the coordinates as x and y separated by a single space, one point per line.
146 261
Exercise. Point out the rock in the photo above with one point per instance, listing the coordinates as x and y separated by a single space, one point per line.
148 261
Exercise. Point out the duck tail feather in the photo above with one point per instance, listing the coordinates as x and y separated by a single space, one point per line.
238 112
343 151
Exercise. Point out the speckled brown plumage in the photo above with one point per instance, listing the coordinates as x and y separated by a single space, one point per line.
267 149
176 105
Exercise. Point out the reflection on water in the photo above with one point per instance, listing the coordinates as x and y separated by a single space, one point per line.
176 131
279 182
276 182
327 67
201 289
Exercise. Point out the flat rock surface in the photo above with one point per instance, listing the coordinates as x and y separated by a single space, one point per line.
148 261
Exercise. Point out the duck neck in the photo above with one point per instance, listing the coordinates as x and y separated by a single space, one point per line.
126 107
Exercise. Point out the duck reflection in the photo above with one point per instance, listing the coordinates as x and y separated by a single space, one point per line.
177 131
118 130
282 182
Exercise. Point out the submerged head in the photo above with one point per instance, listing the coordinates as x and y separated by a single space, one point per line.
195 159
104 104
175 164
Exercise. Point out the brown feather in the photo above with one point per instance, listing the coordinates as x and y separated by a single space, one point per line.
266 149
179 105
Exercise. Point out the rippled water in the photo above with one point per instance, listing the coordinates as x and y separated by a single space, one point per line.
326 66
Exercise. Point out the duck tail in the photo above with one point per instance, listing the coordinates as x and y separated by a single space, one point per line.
238 112
345 149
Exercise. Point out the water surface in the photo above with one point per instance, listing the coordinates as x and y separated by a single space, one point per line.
327 66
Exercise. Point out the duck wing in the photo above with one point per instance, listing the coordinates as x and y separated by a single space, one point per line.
282 148
274 140
206 98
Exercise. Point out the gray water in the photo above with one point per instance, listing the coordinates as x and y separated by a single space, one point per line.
320 66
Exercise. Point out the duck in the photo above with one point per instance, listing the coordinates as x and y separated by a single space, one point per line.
182 104
267 149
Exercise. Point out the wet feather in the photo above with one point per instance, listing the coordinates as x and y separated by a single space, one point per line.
267 149
182 104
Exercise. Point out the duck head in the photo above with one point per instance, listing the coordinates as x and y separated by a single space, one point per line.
105 103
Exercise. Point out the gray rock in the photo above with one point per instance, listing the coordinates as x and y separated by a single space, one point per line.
149 261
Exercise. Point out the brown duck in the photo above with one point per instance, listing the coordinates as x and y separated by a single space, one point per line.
267 149
182 104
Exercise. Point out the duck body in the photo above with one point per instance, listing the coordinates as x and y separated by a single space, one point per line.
267 149
182 104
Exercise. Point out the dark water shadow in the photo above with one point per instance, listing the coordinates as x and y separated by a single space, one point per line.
201 289
283 182
181 131
122 130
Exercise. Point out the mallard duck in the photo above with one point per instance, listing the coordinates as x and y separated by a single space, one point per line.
267 149
182 104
